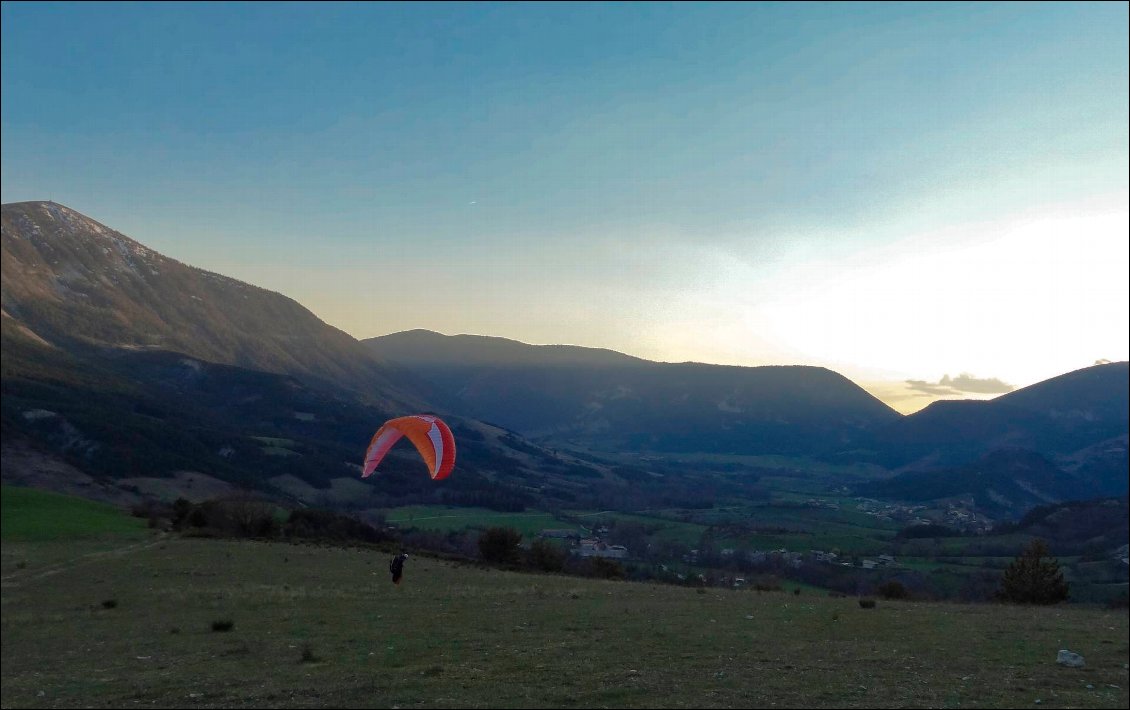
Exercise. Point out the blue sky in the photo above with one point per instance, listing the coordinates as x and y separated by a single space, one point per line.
900 192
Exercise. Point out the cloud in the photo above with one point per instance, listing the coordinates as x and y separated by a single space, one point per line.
968 383
1102 361
963 383
929 388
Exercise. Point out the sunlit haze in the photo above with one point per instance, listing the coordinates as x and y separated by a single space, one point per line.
928 198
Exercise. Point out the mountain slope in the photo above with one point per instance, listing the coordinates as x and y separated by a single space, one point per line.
608 400
1006 482
1079 419
73 283
121 365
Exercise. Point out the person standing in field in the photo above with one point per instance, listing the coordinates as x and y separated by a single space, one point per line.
397 567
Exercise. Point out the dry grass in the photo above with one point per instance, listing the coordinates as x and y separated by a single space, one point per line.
324 627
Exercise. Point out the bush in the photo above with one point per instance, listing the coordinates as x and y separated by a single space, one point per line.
866 603
500 545
606 569
545 556
223 625
317 524
1032 579
926 530
308 655
893 589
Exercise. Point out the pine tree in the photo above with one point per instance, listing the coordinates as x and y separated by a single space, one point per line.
1033 578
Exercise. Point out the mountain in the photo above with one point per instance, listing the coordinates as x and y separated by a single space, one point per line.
127 371
1004 483
126 366
155 421
1078 420
74 284
1081 527
126 374
610 401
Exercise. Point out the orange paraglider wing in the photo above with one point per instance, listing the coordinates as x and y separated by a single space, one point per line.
428 433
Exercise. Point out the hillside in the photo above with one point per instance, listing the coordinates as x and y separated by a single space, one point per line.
127 374
1085 525
153 423
74 284
1078 420
1004 483
610 401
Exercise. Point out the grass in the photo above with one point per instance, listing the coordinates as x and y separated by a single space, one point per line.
323 627
33 515
446 519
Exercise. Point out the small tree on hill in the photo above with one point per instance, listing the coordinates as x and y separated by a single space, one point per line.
545 556
1033 578
500 545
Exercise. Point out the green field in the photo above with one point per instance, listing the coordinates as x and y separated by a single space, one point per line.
31 514
447 519
323 627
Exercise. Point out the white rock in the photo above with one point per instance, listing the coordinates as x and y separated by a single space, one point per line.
1069 659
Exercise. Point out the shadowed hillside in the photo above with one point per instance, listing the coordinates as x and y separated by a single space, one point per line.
1078 420
608 400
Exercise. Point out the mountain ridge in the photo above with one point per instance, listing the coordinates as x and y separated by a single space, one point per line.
74 283
82 304
580 395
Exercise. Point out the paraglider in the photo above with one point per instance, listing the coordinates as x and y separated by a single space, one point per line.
397 567
428 433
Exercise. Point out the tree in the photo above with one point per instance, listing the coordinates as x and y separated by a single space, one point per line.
1033 578
545 556
500 545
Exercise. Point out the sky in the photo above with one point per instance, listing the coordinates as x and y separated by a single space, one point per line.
928 198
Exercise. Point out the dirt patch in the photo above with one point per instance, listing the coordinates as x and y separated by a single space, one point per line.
190 485
22 464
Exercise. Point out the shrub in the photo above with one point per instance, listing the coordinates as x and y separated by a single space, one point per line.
223 625
893 589
109 603
867 603
317 524
308 654
500 545
545 556
606 569
1032 579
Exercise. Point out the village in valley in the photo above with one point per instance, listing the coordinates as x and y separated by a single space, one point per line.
719 564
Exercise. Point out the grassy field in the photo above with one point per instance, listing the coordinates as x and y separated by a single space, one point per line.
446 519
324 627
30 514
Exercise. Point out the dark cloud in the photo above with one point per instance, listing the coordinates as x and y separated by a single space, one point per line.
962 384
929 388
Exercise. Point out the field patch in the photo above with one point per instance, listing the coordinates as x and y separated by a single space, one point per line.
30 514
448 519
